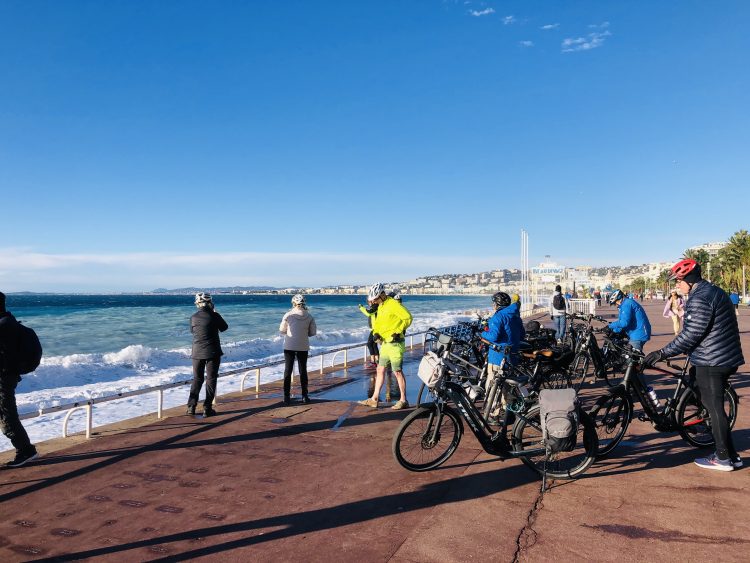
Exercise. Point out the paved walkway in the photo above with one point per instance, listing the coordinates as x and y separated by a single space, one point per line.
263 482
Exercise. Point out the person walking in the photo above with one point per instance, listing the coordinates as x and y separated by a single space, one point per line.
205 326
674 308
9 377
557 313
389 326
631 319
297 326
711 338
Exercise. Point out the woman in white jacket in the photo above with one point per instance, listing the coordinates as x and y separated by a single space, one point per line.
297 326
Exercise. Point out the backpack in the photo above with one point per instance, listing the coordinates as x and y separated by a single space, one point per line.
558 302
29 350
559 418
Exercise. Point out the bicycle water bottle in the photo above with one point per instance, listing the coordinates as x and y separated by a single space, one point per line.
652 396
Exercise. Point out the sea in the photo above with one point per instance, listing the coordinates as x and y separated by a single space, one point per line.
102 345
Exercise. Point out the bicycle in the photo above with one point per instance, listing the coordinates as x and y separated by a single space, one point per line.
430 434
606 362
682 412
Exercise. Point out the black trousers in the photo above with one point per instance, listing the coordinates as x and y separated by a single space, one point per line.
208 370
289 356
372 346
9 421
711 382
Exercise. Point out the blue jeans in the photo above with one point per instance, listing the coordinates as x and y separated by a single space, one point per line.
637 344
559 323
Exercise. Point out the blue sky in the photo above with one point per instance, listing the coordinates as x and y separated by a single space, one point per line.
147 144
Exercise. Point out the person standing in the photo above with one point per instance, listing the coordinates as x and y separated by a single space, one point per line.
9 377
504 328
711 338
372 347
674 308
297 326
631 319
734 297
389 326
205 326
557 312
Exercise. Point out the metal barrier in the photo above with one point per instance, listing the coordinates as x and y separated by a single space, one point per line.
582 306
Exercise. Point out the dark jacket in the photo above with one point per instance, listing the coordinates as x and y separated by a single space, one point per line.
8 345
709 333
205 326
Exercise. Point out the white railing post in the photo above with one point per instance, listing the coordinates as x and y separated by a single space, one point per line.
346 355
322 356
364 355
159 402
257 381
89 420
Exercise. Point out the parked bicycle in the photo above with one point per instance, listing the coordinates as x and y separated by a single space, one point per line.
682 412
430 435
592 362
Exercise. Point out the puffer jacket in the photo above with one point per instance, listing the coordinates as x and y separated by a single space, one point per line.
205 326
505 328
710 335
8 345
632 320
297 326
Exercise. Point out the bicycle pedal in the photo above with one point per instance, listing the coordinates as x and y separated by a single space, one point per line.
643 418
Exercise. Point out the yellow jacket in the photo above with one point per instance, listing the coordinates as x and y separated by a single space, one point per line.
392 318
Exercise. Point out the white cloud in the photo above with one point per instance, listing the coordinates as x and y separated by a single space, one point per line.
480 13
550 26
507 20
591 41
27 270
526 43
603 25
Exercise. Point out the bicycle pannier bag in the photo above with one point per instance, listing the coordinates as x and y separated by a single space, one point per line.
559 418
429 369
558 302
29 350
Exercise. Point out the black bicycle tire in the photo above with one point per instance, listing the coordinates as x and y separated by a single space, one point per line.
576 378
625 417
418 413
422 387
682 403
590 442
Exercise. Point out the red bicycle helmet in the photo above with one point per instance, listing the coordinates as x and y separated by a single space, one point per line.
683 268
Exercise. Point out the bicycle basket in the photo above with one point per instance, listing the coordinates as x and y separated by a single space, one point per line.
430 370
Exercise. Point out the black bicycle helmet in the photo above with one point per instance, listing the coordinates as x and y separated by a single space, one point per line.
501 299
533 326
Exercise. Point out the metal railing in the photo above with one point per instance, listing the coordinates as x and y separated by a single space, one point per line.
88 404
583 306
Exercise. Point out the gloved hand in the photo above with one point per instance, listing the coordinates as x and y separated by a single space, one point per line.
652 358
395 337
606 331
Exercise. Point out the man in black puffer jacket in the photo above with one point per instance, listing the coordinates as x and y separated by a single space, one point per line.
205 326
711 337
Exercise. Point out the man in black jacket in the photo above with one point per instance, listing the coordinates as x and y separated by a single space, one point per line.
9 378
205 326
711 337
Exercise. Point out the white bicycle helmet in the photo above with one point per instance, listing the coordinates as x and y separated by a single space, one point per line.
202 299
298 299
615 296
375 291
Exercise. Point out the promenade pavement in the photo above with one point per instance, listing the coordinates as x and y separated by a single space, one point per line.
317 482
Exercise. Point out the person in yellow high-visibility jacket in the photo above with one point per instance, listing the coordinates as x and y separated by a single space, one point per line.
389 327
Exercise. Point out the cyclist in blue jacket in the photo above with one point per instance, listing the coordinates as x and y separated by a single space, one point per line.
632 320
504 328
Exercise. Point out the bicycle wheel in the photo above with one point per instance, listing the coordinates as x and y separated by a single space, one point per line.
419 446
611 414
423 393
559 380
527 435
693 421
581 369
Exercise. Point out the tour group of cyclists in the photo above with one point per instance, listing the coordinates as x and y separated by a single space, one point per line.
709 337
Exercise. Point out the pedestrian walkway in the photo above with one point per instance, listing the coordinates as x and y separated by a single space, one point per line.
264 482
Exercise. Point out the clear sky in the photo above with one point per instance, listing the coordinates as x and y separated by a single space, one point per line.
175 143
